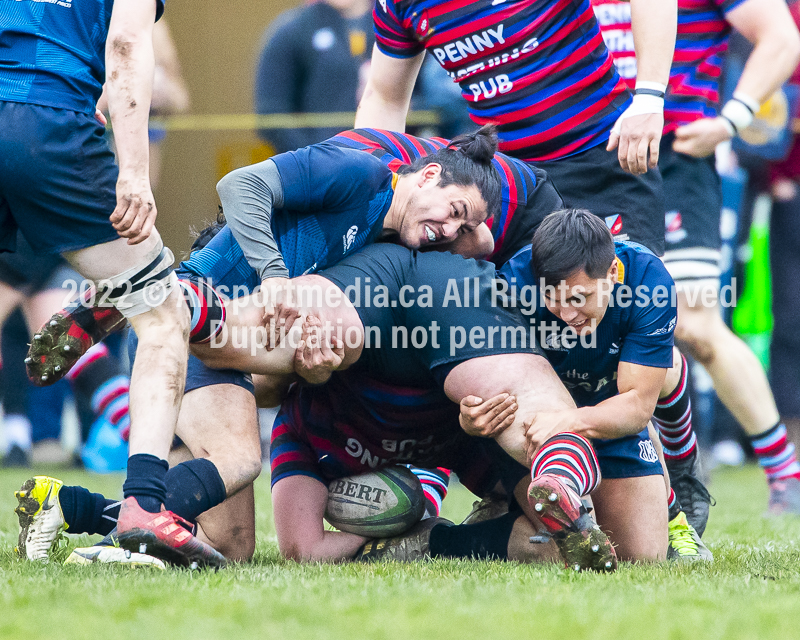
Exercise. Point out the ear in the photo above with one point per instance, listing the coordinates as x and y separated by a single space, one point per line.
613 272
431 173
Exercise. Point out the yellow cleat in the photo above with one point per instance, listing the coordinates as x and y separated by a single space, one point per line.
41 521
684 543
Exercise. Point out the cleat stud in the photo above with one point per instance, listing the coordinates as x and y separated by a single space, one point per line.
143 547
54 323
194 566
28 360
44 378
66 348
38 336
127 554
538 507
57 367
552 497
609 564
595 548
576 567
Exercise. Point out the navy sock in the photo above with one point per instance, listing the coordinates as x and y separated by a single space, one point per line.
194 487
87 512
485 540
146 481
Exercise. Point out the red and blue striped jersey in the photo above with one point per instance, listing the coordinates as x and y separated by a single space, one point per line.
537 68
527 195
702 40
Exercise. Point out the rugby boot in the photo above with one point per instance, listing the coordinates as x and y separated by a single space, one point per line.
69 334
41 521
163 535
413 545
488 508
560 509
684 542
784 497
108 551
695 500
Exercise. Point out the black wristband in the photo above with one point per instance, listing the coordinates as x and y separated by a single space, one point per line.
649 92
730 122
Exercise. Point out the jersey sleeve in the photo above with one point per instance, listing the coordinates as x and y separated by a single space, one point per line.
653 310
323 177
393 34
728 5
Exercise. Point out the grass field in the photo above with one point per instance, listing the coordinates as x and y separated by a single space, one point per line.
751 591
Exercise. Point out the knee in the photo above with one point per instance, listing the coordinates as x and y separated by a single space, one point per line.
239 545
296 550
696 334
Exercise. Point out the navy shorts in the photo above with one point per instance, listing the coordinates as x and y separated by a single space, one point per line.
199 375
57 179
693 196
632 206
629 457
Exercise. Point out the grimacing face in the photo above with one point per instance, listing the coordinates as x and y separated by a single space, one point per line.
582 301
437 215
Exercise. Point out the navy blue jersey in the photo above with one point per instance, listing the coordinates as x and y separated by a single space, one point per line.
334 203
637 329
526 192
53 53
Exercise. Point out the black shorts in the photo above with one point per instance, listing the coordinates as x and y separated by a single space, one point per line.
29 273
438 310
632 206
693 197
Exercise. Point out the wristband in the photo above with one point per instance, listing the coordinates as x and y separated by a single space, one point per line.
747 101
737 113
729 126
651 86
642 104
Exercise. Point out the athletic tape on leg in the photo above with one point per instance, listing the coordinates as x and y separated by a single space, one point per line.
144 287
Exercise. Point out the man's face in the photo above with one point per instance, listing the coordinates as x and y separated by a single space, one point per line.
582 301
437 215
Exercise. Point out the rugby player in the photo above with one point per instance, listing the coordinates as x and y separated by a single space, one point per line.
540 71
694 126
60 186
617 378
305 205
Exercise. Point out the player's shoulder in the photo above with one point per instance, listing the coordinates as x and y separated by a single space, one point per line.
638 265
518 270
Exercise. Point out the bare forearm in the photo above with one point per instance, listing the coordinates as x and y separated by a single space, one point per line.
654 23
622 415
374 111
768 67
130 65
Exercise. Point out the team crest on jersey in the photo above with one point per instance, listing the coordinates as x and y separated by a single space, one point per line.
349 238
383 5
647 451
424 25
613 349
674 227
614 224
552 342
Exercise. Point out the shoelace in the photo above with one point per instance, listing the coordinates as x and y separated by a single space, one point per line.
682 540
697 487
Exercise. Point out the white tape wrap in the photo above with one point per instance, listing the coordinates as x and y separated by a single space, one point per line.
641 105
738 113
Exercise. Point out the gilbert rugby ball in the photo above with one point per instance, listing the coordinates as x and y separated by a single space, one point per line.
378 504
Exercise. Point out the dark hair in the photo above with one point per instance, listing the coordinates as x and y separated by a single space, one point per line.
467 161
569 241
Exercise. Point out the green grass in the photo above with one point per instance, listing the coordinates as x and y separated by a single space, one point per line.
751 591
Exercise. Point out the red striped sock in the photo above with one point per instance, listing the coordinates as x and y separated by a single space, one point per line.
206 307
434 484
572 457
673 418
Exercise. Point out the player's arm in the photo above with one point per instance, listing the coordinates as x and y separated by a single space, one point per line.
776 53
129 70
387 95
654 23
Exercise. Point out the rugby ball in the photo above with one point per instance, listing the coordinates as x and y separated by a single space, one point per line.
376 505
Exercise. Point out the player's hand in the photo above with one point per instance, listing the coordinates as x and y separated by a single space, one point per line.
701 137
281 309
634 137
135 213
545 425
487 418
317 355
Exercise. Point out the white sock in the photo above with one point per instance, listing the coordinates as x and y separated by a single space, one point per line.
17 431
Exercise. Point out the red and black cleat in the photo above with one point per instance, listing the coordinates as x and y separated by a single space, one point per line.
70 333
581 542
163 535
